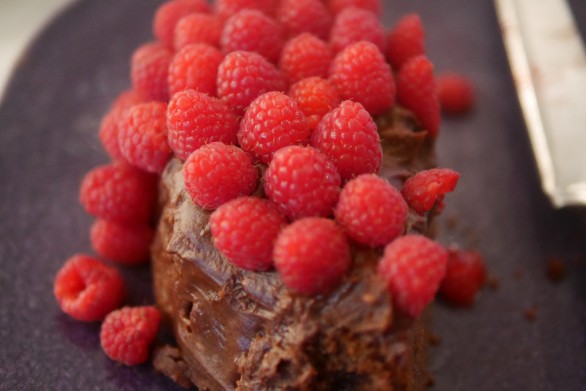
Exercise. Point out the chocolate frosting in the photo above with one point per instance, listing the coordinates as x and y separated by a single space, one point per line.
238 329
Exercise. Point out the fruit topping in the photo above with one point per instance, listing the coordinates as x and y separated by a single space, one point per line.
271 122
312 255
371 211
86 289
127 333
217 173
245 230
349 137
413 267
427 188
303 182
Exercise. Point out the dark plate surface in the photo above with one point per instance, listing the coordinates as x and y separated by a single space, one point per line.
48 140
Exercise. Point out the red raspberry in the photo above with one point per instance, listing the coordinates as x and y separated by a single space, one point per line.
127 333
312 255
227 8
271 122
353 25
413 267
371 210
455 93
87 290
305 16
349 137
198 28
426 188
109 125
243 76
245 231
195 119
126 244
120 193
406 40
253 31
126 100
416 91
370 5
217 173
465 275
169 13
142 136
195 67
148 70
302 182
305 56
315 97
360 73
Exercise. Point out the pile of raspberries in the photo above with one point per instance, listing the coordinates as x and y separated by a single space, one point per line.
270 106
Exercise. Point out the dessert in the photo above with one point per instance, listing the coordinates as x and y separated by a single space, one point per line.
242 328
296 191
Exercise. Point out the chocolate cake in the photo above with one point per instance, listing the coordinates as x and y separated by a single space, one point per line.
239 329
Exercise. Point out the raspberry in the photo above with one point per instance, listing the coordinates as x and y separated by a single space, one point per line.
305 16
413 267
416 91
86 289
349 137
142 136
198 28
217 173
271 122
148 71
195 67
302 182
360 73
353 25
305 56
119 193
195 119
169 13
109 135
109 125
127 333
253 31
312 255
315 97
370 5
427 188
455 93
465 276
126 244
243 76
405 41
371 211
126 100
227 8
245 230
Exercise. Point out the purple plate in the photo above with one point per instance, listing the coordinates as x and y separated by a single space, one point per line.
48 141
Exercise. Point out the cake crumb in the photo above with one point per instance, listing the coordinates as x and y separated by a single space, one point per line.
556 269
434 339
452 222
530 313
493 283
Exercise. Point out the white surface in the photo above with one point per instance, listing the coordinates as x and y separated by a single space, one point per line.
20 21
548 62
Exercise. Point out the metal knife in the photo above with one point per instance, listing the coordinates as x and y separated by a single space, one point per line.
548 63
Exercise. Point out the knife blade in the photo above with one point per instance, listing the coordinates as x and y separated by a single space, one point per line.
548 64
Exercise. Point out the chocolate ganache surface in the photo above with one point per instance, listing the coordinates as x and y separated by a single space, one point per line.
237 329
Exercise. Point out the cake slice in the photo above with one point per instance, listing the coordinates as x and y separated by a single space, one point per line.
243 329
295 199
